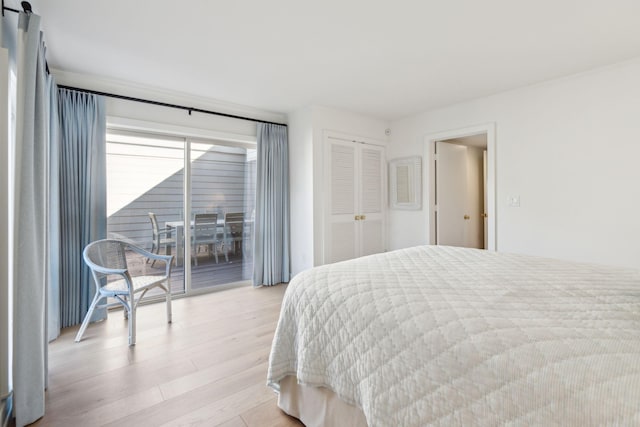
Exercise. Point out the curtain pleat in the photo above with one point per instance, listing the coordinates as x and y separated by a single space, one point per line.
53 252
30 222
271 262
83 211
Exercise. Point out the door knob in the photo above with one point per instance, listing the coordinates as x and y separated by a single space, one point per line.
362 217
484 215
467 217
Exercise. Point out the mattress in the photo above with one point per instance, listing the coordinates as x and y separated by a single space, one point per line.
453 336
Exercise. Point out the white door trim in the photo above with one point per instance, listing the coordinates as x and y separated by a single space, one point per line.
429 177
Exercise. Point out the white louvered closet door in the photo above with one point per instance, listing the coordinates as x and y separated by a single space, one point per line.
341 241
354 224
371 200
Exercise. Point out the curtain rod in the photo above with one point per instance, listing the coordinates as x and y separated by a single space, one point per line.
166 104
26 7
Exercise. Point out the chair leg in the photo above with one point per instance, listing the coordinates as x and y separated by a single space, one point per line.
154 250
132 323
169 320
87 317
153 245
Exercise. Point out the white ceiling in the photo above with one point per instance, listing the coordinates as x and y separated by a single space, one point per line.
387 59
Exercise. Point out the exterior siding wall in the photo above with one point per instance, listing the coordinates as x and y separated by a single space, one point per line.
221 182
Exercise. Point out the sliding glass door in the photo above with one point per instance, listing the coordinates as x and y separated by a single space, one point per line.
222 211
193 199
145 191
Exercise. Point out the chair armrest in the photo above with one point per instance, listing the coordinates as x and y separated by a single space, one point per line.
103 270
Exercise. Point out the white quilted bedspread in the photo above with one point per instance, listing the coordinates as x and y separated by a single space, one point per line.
459 337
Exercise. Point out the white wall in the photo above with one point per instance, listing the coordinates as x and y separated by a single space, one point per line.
569 148
301 188
306 136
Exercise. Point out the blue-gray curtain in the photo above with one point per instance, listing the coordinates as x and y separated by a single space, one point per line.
271 254
83 197
29 249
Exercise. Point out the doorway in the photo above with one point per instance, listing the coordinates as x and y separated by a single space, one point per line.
461 187
460 212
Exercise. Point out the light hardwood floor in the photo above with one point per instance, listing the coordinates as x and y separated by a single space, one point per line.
207 368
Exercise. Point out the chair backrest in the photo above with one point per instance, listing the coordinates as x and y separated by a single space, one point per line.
205 226
107 254
154 224
234 222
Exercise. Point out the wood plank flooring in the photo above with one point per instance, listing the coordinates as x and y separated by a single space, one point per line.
207 368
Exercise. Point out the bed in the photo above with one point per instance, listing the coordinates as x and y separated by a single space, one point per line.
451 336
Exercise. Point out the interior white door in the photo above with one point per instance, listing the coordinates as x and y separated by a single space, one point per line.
474 233
451 194
485 204
371 221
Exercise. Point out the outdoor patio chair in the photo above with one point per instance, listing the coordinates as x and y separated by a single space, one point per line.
108 258
233 229
205 233
160 238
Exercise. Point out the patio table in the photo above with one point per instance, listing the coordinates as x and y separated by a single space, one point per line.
179 228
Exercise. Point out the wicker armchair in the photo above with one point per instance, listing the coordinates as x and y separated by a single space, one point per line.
108 258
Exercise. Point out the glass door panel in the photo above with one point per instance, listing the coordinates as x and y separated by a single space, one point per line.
145 199
222 211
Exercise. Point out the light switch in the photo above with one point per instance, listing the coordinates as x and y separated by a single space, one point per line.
513 201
